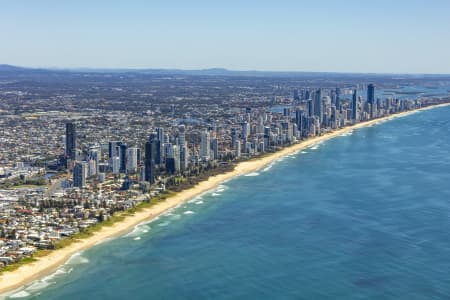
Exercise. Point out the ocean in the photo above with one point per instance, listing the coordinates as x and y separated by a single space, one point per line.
362 216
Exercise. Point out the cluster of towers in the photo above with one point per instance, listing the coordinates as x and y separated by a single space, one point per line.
159 152
249 132
317 111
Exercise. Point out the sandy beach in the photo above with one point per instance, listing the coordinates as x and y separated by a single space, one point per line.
46 265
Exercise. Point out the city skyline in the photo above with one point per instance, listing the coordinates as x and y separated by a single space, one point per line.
85 156
255 149
324 36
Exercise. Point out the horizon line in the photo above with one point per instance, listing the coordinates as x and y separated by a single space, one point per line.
95 68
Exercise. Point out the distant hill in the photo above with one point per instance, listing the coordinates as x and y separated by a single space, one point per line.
9 68
6 69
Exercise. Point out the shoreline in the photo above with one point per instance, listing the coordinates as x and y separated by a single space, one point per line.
45 265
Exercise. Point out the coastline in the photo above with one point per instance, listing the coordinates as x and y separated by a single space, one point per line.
27 273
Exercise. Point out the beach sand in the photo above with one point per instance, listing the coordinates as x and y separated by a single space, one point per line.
45 265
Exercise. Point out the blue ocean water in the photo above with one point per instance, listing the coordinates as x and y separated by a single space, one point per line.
361 216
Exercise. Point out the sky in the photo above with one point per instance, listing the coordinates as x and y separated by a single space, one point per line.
383 36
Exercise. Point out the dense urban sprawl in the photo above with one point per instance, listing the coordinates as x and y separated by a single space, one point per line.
71 160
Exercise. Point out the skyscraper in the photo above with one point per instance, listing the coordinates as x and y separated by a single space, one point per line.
289 132
152 154
158 151
371 98
113 149
177 156
307 95
160 133
371 93
161 137
310 105
318 105
115 162
132 159
181 135
71 141
296 95
338 98
299 119
234 137
205 145
237 147
215 148
94 155
80 174
354 106
183 148
149 163
139 155
184 156
245 129
123 158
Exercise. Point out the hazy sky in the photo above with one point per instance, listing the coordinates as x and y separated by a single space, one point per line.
399 36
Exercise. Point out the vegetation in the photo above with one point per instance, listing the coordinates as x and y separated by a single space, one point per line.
179 184
88 232
176 183
18 264
23 182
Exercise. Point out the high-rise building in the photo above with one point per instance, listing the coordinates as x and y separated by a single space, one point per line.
166 139
132 159
371 93
71 141
371 99
149 163
318 105
177 156
307 95
139 156
237 147
245 129
310 105
184 155
215 149
158 153
113 149
205 145
94 154
234 137
172 159
161 138
338 98
92 168
79 174
170 165
181 135
296 95
151 151
168 150
115 161
123 158
160 133
299 119
289 132
355 106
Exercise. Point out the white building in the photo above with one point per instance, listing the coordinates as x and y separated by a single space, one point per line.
132 159
205 145
116 164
